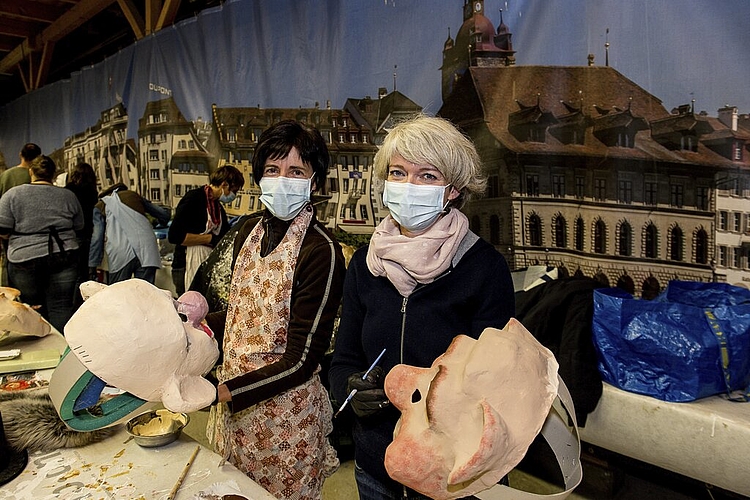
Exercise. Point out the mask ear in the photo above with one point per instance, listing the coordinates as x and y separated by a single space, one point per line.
453 193
494 433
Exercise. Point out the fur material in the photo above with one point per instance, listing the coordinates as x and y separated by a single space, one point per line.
32 423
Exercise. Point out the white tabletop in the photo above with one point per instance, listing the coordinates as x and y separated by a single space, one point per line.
118 468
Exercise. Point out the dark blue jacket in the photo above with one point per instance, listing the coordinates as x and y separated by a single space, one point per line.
475 294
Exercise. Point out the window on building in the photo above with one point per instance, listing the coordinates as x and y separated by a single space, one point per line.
251 205
365 139
535 230
579 234
723 220
580 186
626 191
701 247
342 138
346 185
723 256
737 151
688 143
600 237
352 138
163 155
154 173
675 243
178 190
475 225
363 212
558 186
625 139
561 232
493 186
495 230
343 162
737 254
532 185
600 189
701 198
153 155
651 249
155 194
182 144
676 195
626 240
650 194
737 226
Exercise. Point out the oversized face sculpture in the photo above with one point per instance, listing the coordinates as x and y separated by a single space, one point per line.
130 335
469 419
19 318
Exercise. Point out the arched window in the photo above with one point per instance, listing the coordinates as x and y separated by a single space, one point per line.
626 240
626 283
579 233
650 288
701 247
495 230
651 249
602 278
475 225
561 232
600 237
675 243
535 230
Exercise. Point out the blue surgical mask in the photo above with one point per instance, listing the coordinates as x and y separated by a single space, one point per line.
227 198
414 206
285 197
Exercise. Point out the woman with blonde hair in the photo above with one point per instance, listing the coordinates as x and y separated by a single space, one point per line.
423 279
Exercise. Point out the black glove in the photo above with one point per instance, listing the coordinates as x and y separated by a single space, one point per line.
370 398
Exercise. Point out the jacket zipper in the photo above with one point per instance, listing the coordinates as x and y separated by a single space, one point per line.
403 326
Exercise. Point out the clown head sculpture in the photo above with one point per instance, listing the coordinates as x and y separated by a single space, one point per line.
131 336
469 419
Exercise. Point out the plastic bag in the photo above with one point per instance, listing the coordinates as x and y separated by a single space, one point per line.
670 347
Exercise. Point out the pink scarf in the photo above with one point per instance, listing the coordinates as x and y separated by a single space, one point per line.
407 261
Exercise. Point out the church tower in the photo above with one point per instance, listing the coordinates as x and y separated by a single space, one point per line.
477 43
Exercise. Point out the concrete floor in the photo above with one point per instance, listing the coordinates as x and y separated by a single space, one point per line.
604 477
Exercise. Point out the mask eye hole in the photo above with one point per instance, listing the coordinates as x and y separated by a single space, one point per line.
183 318
416 396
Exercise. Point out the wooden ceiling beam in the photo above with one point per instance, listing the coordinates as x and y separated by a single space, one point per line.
168 14
153 9
66 23
31 11
137 24
19 28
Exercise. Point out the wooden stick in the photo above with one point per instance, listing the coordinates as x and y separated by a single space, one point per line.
184 473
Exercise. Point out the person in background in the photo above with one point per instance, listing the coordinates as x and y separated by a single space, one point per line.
122 229
200 222
82 181
11 178
423 279
274 414
41 221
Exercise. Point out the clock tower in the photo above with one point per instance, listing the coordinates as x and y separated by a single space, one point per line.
472 7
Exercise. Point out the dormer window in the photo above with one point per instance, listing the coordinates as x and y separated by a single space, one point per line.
737 151
688 143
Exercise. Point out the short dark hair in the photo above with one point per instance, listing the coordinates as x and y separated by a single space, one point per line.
276 142
82 174
30 151
43 168
229 174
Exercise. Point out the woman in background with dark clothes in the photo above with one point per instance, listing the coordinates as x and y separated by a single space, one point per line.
82 182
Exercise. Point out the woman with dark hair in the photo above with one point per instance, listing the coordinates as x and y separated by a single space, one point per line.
200 222
41 221
82 181
274 413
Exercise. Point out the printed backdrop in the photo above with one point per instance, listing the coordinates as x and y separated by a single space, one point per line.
294 53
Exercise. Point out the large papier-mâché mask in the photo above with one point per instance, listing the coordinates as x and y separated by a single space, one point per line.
131 336
469 419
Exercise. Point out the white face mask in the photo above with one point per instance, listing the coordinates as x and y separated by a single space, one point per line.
414 206
285 197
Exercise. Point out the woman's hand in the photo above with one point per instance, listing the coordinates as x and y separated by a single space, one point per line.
224 395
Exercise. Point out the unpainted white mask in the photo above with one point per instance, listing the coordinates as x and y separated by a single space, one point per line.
414 206
284 196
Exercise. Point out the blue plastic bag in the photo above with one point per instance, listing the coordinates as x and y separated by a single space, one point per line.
671 347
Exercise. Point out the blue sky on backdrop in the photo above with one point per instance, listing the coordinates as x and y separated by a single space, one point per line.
294 53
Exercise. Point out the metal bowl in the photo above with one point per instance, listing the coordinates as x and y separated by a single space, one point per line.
171 423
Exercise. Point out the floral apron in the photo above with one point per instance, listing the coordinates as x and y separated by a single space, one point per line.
281 442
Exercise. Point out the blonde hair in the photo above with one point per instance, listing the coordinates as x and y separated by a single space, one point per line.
434 141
